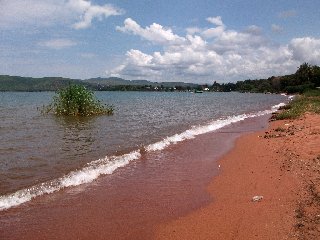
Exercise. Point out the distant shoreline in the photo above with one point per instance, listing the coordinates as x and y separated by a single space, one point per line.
305 78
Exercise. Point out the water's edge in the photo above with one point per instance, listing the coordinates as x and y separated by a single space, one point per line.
109 164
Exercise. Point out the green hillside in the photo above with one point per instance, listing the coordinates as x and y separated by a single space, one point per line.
16 83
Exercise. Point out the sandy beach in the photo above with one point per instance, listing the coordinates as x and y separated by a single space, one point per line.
282 164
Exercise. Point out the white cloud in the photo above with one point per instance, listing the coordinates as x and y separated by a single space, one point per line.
215 20
155 33
193 30
215 31
79 5
208 54
306 49
89 12
276 28
254 29
139 58
76 13
58 43
209 32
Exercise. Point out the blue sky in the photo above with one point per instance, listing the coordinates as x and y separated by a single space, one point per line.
193 41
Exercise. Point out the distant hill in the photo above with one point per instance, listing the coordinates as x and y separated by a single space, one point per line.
111 81
114 81
17 83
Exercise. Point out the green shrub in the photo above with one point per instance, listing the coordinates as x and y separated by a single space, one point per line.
76 100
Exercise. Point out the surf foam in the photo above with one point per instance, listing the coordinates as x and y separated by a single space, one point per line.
108 165
210 127
87 174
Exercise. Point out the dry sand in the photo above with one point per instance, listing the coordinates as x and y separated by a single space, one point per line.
281 164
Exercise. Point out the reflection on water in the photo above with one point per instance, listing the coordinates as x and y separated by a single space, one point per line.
78 135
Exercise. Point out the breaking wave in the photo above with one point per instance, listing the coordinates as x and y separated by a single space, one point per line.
108 165
85 175
212 126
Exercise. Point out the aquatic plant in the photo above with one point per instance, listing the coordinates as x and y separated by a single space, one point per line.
76 100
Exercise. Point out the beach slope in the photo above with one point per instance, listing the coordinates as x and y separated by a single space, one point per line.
280 165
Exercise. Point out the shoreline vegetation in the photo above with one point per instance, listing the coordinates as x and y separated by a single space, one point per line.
306 77
309 101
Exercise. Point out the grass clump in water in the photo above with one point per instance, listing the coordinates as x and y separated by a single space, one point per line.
307 102
76 100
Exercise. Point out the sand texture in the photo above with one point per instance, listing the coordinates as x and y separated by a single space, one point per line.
282 164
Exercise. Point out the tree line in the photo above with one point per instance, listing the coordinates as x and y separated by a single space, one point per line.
306 77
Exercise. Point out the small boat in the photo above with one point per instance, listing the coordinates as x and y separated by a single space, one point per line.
198 91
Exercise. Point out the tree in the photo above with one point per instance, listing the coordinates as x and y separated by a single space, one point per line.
303 74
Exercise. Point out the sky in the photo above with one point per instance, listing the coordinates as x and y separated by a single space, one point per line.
197 41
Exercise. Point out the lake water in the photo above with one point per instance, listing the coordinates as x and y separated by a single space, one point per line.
44 153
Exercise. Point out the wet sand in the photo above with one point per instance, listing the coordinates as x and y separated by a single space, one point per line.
281 164
134 200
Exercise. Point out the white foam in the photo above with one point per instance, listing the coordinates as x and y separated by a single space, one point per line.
85 175
212 126
97 168
276 107
108 165
291 97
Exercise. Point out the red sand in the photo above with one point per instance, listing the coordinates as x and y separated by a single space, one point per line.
283 166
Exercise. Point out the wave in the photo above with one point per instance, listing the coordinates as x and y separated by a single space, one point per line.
108 165
87 174
212 126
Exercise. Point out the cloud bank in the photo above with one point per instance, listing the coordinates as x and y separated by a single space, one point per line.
215 53
79 14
